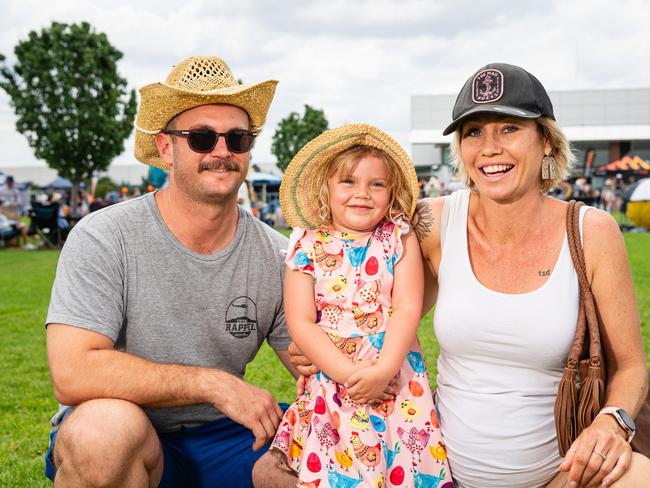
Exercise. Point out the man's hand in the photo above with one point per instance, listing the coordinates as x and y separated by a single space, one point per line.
252 407
302 364
300 385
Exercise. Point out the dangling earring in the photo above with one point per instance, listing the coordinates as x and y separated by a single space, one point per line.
549 167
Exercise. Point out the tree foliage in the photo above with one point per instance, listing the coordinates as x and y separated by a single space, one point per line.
294 132
70 102
104 186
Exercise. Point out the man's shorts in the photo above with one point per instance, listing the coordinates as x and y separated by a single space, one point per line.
214 454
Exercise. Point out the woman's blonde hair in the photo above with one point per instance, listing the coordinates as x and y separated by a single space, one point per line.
401 197
550 130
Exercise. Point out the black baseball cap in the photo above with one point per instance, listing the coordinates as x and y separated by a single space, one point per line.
503 89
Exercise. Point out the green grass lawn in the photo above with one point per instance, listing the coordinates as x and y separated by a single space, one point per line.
26 400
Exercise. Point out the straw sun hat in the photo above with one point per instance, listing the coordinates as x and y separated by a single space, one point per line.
198 80
301 181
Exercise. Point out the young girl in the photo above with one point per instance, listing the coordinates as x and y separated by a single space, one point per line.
353 298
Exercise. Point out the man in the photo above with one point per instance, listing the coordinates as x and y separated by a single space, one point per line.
161 301
10 199
11 230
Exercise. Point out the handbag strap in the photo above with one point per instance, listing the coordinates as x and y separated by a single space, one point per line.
587 319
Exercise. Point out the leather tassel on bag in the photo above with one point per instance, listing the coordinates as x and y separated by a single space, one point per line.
592 396
565 410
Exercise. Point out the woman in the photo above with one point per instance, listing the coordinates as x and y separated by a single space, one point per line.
506 299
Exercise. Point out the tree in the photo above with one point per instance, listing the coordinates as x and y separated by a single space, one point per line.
294 132
104 186
72 105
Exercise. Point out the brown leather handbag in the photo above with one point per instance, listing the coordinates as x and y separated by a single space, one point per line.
577 406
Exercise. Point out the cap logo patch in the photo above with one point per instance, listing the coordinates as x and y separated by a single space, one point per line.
487 86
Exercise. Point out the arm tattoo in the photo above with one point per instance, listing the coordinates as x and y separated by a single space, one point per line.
422 220
545 273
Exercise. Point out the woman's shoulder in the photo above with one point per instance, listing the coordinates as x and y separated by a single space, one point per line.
601 235
599 223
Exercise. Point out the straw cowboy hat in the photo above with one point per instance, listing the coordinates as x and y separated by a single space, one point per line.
301 181
198 80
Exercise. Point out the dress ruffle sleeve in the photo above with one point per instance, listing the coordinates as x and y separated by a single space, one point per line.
300 253
399 229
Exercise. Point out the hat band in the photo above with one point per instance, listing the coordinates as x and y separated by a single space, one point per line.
145 131
198 91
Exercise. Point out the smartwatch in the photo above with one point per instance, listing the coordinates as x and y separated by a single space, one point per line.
623 418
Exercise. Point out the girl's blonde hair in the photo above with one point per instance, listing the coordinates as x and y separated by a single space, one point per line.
401 197
550 130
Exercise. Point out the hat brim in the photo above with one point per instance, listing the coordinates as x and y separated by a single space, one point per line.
300 184
499 109
159 103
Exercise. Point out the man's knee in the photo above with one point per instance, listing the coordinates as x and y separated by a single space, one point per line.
271 471
103 439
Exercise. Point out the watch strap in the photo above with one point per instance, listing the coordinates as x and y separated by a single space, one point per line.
613 411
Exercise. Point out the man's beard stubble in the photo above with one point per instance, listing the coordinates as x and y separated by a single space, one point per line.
192 187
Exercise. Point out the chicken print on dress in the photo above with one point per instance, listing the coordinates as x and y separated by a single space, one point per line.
329 439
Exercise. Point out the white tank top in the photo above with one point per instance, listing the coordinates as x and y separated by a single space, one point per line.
501 359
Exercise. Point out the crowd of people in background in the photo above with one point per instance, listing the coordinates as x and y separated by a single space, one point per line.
608 194
20 203
266 209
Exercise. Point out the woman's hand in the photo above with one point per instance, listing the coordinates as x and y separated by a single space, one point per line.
599 456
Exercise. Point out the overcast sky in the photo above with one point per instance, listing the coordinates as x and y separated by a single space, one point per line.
360 61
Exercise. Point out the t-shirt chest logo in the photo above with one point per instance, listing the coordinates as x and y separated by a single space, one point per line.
487 86
241 317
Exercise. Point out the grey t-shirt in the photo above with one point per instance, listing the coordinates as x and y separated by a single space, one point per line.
122 273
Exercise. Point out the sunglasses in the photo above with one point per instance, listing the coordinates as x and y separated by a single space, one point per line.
203 140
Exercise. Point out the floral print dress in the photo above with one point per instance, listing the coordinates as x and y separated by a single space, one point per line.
329 439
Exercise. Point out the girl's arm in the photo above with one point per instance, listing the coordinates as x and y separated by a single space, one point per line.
408 287
300 314
401 329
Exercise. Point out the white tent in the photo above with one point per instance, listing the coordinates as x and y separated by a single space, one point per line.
642 191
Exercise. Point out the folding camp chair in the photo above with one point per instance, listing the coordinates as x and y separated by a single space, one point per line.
45 223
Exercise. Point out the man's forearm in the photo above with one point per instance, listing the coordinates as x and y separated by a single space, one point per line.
108 373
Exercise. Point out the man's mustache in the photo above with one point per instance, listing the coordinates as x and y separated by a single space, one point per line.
227 164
